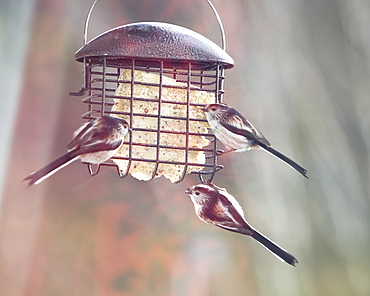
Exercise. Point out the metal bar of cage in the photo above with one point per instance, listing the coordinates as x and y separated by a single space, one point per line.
101 96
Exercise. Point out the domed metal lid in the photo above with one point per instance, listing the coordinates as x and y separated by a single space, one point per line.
155 41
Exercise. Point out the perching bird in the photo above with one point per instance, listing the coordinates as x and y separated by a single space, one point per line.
94 142
216 206
238 134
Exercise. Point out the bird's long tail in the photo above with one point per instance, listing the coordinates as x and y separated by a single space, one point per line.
274 248
50 169
284 158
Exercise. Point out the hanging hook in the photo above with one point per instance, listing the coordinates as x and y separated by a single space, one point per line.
221 26
87 21
219 21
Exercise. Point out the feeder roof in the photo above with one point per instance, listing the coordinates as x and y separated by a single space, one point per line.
155 41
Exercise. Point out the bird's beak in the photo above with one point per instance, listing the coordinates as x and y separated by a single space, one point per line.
187 191
201 108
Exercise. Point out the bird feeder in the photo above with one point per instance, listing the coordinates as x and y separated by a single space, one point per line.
158 77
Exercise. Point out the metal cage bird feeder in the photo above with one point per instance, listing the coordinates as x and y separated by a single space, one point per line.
158 77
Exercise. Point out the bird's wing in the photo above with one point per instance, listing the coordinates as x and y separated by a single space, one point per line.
97 147
236 123
236 221
89 140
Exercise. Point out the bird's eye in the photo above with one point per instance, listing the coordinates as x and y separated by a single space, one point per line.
213 108
197 193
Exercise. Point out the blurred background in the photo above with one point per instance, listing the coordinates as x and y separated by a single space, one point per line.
301 76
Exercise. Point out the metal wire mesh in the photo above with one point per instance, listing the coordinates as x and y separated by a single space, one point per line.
104 76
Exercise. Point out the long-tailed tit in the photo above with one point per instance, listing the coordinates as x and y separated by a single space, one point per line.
94 142
238 134
216 206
